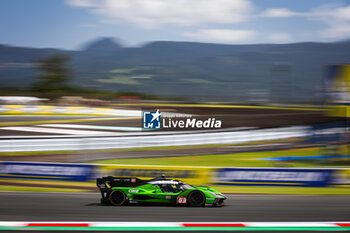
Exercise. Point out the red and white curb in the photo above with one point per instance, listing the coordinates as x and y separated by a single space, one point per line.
174 224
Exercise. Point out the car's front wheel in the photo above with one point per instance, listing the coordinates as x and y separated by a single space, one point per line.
196 198
117 198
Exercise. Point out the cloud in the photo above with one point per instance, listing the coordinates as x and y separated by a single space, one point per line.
280 37
278 13
336 32
155 13
330 13
81 3
336 17
222 35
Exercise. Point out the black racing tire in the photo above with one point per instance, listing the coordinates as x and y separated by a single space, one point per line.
104 201
196 198
117 198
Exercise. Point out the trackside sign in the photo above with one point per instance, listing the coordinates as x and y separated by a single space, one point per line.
274 177
50 171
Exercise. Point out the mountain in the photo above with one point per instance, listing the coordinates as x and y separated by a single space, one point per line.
105 44
17 64
202 71
98 48
20 54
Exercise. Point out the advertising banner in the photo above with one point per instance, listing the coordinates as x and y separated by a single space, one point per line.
191 175
50 171
342 178
273 177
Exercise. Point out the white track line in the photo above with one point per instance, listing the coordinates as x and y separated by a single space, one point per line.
98 127
290 224
121 141
55 131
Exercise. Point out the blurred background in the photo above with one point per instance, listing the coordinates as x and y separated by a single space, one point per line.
76 76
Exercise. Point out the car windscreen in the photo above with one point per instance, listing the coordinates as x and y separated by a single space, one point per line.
186 186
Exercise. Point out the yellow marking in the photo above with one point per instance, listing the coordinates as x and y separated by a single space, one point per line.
258 183
13 106
339 111
44 112
13 111
45 107
342 185
103 109
74 108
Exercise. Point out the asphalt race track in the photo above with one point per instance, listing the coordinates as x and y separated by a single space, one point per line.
16 206
27 206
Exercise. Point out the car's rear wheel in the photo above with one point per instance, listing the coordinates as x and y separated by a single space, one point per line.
117 198
196 198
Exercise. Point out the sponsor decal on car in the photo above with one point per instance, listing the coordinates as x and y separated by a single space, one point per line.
181 200
133 190
167 197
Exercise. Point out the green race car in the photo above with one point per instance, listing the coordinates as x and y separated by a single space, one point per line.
118 191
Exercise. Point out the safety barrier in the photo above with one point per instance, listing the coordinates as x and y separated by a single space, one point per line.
311 177
47 171
86 172
274 177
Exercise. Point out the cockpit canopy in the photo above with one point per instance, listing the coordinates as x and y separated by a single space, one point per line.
171 186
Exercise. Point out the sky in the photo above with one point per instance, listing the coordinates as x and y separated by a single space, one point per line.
71 24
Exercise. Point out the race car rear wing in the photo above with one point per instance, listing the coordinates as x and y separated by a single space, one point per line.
110 181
